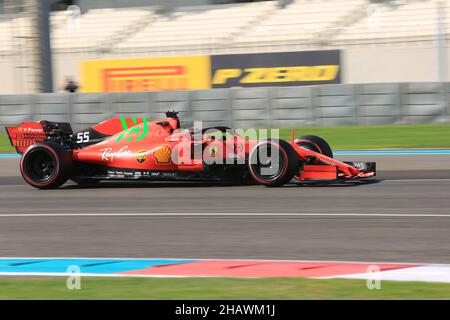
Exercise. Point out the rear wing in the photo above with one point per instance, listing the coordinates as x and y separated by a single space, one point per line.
29 133
25 135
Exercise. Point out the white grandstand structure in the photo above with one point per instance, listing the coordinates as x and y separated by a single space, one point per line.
261 26
399 41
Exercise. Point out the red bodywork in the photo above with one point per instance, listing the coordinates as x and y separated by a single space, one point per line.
159 145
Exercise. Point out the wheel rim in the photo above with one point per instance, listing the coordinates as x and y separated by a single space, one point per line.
40 166
260 166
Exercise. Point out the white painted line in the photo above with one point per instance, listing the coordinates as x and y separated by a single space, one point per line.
224 214
415 180
425 273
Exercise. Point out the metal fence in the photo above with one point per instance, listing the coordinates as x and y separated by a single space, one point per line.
328 105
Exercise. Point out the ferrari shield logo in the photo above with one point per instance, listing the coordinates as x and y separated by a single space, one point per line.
141 156
213 151
162 154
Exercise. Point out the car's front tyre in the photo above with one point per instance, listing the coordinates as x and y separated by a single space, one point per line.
315 143
273 163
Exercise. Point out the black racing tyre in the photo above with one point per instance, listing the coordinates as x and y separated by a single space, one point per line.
262 159
46 165
316 144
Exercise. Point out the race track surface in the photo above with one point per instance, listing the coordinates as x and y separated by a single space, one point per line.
401 216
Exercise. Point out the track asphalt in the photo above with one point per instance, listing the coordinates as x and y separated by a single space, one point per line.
401 216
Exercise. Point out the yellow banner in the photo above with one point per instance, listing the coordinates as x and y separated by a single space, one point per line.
146 74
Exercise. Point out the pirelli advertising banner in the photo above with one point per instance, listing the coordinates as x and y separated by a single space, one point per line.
206 72
146 74
276 69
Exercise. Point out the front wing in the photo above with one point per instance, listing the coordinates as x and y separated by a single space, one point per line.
327 172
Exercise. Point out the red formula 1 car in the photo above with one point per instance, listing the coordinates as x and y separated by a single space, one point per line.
135 149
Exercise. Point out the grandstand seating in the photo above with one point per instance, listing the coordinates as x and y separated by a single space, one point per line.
11 31
198 28
311 22
416 20
303 21
97 27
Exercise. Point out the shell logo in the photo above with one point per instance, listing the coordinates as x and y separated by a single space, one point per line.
162 154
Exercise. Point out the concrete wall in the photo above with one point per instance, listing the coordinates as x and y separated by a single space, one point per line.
362 104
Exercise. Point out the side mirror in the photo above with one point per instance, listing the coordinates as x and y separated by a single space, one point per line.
210 138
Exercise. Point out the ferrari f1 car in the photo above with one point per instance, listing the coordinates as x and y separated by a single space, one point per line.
143 149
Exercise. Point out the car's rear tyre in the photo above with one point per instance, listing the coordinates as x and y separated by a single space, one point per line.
265 155
46 165
316 144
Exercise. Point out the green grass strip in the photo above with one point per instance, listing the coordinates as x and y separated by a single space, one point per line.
5 146
378 137
216 288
